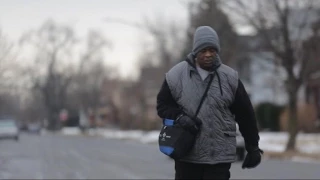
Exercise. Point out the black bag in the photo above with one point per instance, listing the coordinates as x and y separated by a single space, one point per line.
175 141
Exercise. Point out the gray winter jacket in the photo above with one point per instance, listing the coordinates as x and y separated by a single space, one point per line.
216 142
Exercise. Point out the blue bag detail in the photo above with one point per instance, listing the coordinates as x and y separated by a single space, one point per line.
168 122
166 150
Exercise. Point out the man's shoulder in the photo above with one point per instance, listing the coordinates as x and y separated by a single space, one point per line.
231 75
228 70
176 72
179 67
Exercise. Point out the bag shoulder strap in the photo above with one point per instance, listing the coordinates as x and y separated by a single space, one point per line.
204 94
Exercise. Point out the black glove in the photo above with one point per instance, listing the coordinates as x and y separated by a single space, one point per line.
187 123
253 158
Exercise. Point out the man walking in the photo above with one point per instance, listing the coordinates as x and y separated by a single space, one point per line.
226 104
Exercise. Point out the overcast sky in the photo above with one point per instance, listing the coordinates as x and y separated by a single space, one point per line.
19 16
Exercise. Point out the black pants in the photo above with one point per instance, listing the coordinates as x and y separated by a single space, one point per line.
186 170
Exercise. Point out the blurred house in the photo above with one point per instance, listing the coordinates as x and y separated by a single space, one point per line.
124 104
308 105
313 92
151 79
103 115
113 95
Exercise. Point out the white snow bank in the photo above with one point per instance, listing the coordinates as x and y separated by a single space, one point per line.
276 142
70 131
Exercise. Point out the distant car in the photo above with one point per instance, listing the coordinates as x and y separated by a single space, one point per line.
241 150
34 128
9 129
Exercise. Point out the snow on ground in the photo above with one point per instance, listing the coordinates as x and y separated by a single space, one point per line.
142 136
70 131
276 142
269 141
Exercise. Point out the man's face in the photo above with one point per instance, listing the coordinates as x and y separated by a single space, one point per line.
206 57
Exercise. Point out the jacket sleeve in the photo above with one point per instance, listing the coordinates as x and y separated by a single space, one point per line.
166 105
245 116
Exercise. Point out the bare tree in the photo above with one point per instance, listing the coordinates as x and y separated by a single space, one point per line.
9 67
284 27
10 97
166 38
53 45
86 90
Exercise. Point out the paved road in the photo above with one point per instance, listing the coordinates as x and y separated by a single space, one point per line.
78 157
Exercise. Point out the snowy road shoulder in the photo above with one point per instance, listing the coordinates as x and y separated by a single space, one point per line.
307 144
